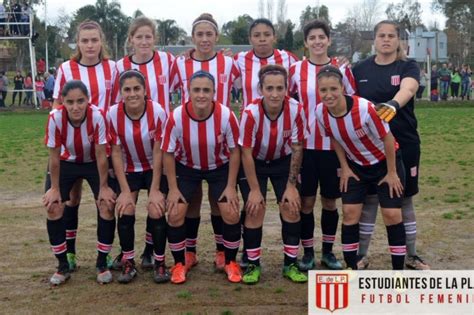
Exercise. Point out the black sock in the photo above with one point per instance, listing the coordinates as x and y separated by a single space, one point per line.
329 221
253 244
350 244
126 231
71 219
397 243
192 229
57 239
217 226
105 239
148 238
242 226
307 232
158 232
176 242
231 238
290 233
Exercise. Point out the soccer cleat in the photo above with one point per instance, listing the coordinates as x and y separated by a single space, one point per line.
294 274
71 260
233 271
104 275
60 276
161 274
306 263
362 263
117 263
415 262
330 261
252 274
128 271
244 260
178 273
219 260
191 260
148 262
109 261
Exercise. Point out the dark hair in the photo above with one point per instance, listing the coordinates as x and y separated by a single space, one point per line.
132 73
203 74
72 85
272 69
328 72
264 21
316 24
206 18
400 52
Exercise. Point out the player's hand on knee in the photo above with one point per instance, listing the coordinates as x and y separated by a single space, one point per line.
255 203
386 111
156 203
51 197
346 174
107 196
292 199
173 199
394 184
229 195
124 203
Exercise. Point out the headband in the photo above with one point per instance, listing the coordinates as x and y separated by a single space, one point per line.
134 71
89 24
206 21
203 74
330 69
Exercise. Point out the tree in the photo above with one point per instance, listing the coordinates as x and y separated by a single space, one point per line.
287 42
237 30
349 38
169 32
311 13
407 13
365 14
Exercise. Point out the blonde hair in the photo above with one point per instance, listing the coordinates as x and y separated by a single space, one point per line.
141 21
90 25
400 51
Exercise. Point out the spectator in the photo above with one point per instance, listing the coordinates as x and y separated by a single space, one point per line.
3 88
18 86
28 85
15 18
434 83
25 18
455 83
422 86
49 85
465 81
2 19
39 86
41 66
444 79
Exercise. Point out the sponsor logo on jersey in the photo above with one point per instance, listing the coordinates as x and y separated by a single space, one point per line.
395 80
360 132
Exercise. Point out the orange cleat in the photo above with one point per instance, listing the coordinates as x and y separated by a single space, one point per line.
219 261
234 274
178 273
191 260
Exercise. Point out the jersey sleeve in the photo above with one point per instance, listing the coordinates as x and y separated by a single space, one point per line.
348 80
59 83
292 85
52 136
232 131
292 57
175 79
376 125
100 132
113 135
170 136
411 70
160 125
319 121
116 96
299 127
247 130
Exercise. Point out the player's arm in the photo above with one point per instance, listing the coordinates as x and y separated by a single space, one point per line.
291 195
106 194
255 198
392 179
53 195
156 200
388 110
125 199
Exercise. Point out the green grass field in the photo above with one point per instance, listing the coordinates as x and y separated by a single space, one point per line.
445 218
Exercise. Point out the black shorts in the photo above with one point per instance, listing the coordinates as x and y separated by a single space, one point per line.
190 179
369 176
411 162
320 166
141 180
70 172
277 171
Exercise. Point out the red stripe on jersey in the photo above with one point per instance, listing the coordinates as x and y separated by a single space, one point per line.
108 77
64 123
186 137
202 138
259 134
221 79
286 126
90 132
248 132
138 141
248 77
219 138
278 57
162 95
94 86
169 126
121 131
75 72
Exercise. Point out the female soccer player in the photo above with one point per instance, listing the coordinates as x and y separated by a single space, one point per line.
391 80
204 57
320 163
200 143
272 131
367 153
136 125
76 136
89 64
155 67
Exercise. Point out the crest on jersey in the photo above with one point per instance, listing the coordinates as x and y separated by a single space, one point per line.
222 78
395 80
151 134
332 291
287 133
162 79
90 138
108 84
360 132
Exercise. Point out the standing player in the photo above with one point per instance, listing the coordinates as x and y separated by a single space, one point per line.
390 80
136 125
155 67
200 143
272 131
366 150
204 57
89 64
320 163
76 136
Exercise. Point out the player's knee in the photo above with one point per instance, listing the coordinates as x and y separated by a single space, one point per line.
328 204
351 214
391 216
106 213
307 204
55 212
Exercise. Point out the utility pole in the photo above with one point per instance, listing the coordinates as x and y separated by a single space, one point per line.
46 33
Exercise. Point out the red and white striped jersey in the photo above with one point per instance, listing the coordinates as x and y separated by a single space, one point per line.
272 139
157 75
360 131
249 65
204 144
221 67
303 81
77 143
98 79
136 137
